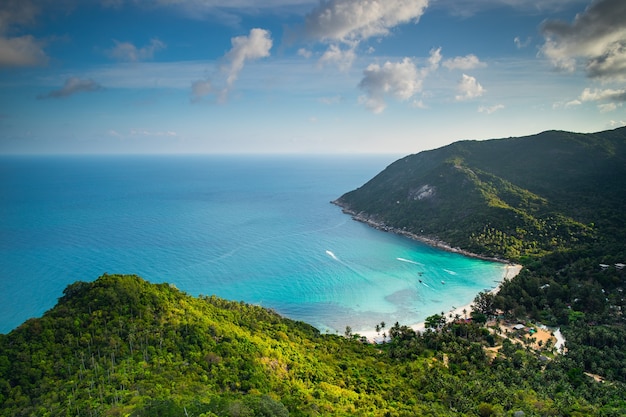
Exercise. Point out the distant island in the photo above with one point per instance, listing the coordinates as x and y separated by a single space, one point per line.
553 202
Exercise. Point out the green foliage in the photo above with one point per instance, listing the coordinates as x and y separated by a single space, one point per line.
120 346
508 198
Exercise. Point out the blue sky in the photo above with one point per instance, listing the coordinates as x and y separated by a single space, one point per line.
303 76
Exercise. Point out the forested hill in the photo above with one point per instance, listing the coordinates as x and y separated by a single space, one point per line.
509 198
120 346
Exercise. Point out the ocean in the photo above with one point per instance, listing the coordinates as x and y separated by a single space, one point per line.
258 229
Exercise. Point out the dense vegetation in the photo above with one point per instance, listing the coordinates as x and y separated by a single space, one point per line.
554 202
119 346
510 198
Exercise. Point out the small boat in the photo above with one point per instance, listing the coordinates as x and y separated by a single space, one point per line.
443 282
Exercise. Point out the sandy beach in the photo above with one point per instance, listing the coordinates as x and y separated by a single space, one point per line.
510 271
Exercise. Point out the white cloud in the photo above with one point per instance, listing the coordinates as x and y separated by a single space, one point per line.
305 53
617 123
126 51
464 63
573 103
603 95
419 104
434 59
596 36
247 48
244 48
469 88
400 80
608 107
490 109
201 88
341 58
468 8
356 20
73 85
521 44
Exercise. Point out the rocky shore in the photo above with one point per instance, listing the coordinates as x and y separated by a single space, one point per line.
379 225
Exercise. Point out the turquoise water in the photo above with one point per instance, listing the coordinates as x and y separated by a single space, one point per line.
257 229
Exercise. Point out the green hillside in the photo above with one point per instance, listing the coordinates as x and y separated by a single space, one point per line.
508 198
555 202
120 346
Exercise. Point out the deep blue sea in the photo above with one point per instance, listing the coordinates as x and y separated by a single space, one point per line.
251 228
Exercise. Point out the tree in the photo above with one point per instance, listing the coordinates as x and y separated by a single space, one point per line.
485 303
436 321
348 332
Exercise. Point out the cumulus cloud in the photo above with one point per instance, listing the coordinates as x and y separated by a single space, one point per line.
305 53
334 55
73 85
356 20
469 88
400 80
244 49
597 36
603 95
490 109
126 51
434 59
465 63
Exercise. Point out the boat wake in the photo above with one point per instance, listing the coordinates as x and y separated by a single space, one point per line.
409 261
332 255
450 272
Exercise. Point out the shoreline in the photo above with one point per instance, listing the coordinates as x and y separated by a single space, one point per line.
511 269
439 244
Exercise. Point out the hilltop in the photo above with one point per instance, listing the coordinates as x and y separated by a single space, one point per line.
511 198
120 346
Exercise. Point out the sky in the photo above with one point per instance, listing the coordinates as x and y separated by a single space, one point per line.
303 76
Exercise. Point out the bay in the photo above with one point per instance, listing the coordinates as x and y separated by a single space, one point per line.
259 229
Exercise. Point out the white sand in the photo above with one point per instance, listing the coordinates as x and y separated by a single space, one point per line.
511 270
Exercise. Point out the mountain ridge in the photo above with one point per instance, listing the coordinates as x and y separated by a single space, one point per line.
538 193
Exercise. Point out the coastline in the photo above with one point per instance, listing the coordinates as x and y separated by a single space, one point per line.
439 244
511 269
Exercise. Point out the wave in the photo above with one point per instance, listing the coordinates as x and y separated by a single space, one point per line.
409 261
